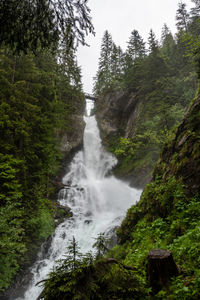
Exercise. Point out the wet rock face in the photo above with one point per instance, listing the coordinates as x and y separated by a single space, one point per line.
117 116
70 143
62 213
73 139
117 113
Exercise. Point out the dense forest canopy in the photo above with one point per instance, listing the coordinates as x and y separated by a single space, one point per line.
34 25
40 95
161 75
41 91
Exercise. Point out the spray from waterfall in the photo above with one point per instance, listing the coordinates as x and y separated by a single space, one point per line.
98 203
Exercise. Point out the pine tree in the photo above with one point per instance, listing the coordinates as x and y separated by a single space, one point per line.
116 64
37 99
101 245
194 25
73 256
195 11
136 46
105 55
69 66
104 70
32 25
153 43
182 17
168 43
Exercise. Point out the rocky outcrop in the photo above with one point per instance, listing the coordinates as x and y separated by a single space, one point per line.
61 213
181 157
117 113
69 142
73 139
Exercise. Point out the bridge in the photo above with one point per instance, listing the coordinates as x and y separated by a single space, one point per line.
90 97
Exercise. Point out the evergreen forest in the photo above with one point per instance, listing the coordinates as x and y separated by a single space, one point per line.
152 90
40 92
159 78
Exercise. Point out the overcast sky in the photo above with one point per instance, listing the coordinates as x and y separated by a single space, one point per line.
120 18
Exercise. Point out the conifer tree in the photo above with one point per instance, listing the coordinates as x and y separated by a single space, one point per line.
105 55
153 43
29 25
37 99
73 256
104 70
168 43
194 25
101 245
182 17
116 63
195 11
136 46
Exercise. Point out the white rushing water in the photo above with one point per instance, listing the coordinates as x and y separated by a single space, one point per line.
98 203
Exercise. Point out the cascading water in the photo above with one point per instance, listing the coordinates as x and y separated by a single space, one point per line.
97 202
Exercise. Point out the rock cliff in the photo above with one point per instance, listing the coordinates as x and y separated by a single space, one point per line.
72 140
117 115
181 157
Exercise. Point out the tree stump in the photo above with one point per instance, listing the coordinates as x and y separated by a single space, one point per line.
161 267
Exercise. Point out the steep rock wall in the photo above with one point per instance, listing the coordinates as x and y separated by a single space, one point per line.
70 139
181 157
117 115
73 139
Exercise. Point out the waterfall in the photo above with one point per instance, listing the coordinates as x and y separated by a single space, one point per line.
98 203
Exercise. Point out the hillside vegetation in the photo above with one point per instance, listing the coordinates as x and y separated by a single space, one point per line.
41 120
38 99
143 93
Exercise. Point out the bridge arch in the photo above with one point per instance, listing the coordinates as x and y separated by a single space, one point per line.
90 96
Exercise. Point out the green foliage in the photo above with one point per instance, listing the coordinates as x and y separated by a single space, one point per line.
11 216
35 25
12 246
110 69
101 245
167 216
42 225
159 84
82 277
38 97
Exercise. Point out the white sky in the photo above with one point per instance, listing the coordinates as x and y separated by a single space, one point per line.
120 18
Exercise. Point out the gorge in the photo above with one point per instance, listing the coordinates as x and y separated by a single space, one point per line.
95 200
74 222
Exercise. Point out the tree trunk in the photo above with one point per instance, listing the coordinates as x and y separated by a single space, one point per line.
161 267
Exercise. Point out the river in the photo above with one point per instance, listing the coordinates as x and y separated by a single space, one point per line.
98 202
